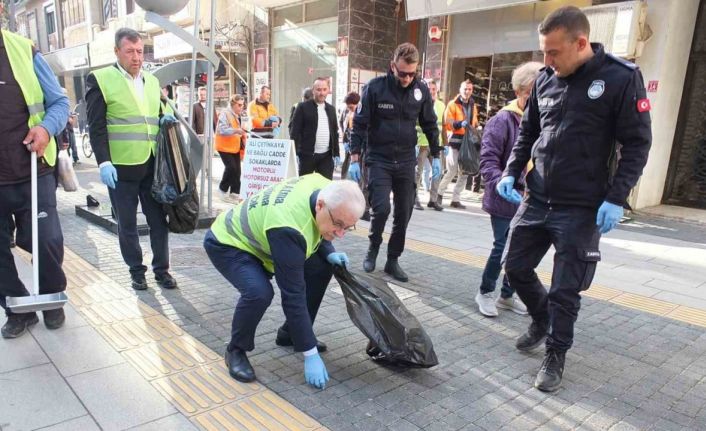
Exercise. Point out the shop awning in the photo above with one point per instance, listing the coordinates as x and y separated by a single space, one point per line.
419 9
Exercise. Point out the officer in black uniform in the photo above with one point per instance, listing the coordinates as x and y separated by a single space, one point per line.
387 116
582 104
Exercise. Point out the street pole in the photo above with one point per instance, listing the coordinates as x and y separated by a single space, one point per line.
210 105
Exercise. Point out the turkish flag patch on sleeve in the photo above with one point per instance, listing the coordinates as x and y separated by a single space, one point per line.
643 105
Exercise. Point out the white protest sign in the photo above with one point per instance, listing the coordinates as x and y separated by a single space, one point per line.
267 161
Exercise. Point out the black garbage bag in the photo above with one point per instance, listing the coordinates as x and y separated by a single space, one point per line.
172 170
396 336
174 183
469 153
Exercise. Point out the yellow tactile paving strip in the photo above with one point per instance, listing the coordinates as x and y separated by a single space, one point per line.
596 291
187 373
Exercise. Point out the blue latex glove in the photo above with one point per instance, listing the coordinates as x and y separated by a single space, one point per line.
464 124
166 118
608 216
275 132
274 118
446 150
338 258
337 161
109 175
506 190
354 171
315 372
436 168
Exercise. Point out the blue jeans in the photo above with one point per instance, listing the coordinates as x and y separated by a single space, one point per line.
493 266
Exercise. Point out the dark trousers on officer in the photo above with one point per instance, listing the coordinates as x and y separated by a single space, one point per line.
246 273
321 163
384 178
17 200
124 198
573 232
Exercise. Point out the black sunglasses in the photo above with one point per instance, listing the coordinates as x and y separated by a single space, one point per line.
406 74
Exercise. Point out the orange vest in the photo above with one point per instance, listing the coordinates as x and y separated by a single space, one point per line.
229 143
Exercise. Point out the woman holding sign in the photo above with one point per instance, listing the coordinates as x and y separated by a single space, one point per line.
229 137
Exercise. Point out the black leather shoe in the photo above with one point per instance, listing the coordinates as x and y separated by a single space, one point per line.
54 319
549 376
458 205
166 281
17 324
365 216
239 366
370 258
283 339
139 282
435 205
533 338
393 268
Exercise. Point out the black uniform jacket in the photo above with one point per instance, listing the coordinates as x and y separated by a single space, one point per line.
387 116
570 129
304 125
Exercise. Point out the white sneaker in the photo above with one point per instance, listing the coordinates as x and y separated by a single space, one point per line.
513 304
235 198
486 304
223 195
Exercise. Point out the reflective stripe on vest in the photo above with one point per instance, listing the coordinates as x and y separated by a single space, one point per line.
132 122
282 205
19 52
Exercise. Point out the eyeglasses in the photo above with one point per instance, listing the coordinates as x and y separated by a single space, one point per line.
406 74
338 224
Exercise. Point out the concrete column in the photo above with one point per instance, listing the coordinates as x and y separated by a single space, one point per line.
665 59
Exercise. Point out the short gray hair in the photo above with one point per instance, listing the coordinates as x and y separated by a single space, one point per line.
524 75
344 193
126 33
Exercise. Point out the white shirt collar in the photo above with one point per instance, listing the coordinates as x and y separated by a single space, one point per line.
126 74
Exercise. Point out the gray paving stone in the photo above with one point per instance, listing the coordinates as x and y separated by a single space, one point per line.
110 393
36 397
76 350
18 353
84 423
176 422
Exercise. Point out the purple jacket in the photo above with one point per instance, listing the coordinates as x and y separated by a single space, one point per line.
499 136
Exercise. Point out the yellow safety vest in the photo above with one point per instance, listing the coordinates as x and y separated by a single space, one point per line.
285 204
19 51
133 123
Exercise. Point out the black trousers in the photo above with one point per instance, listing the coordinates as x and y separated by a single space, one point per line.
573 232
17 200
124 200
231 175
384 178
321 163
246 273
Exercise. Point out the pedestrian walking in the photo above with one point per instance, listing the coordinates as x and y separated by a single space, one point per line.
385 123
124 114
461 113
423 154
199 109
230 139
582 103
499 136
346 125
307 94
284 230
